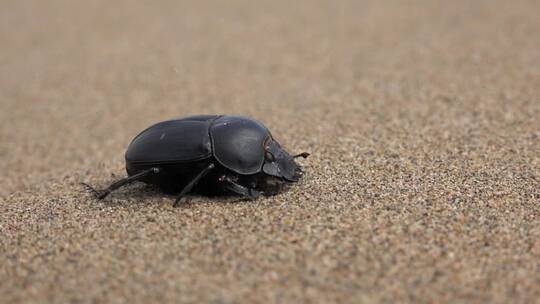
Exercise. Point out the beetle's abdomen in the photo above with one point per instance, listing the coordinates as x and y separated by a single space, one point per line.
172 141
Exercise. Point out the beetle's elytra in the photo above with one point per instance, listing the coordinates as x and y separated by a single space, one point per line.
209 154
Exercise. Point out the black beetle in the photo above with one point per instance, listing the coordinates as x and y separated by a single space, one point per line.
209 154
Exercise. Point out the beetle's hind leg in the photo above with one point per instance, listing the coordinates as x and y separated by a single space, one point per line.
101 194
91 189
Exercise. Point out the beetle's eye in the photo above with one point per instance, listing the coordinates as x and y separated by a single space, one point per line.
270 156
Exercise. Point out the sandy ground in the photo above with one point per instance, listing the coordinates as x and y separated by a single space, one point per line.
422 117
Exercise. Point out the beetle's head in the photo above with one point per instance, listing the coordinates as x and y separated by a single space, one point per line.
279 163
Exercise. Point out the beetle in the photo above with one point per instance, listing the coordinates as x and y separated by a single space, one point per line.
208 154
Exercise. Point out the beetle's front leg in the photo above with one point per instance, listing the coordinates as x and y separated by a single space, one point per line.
228 183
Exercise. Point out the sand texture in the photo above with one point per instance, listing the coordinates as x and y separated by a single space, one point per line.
422 117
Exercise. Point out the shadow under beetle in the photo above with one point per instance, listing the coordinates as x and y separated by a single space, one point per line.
208 154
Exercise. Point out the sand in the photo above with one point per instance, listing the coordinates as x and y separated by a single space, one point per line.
422 117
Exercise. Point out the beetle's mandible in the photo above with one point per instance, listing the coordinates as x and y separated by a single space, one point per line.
209 154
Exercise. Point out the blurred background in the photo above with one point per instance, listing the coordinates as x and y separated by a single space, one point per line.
422 118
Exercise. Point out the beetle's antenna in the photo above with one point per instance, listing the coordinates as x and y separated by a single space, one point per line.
192 184
303 154
101 194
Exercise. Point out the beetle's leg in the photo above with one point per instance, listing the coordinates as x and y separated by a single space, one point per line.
303 154
246 192
91 189
192 184
101 194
